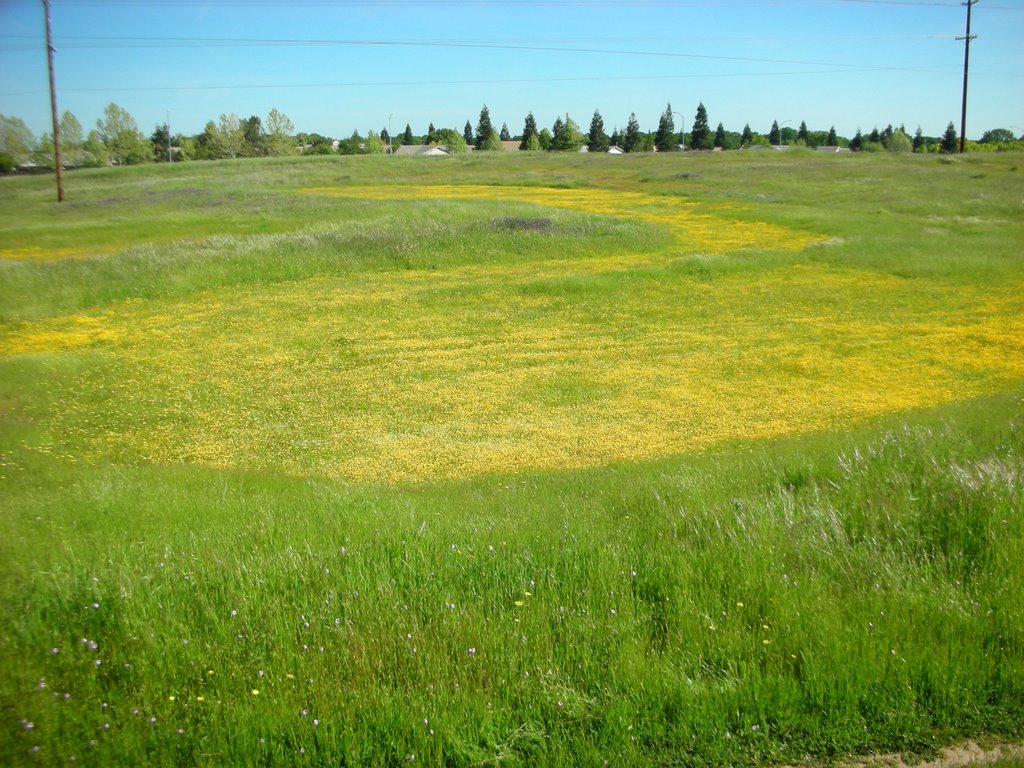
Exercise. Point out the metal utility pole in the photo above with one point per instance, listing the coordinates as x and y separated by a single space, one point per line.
967 58
682 131
57 160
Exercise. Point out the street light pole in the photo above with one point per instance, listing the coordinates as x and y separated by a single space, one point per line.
682 131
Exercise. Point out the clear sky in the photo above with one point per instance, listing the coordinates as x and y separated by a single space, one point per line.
337 65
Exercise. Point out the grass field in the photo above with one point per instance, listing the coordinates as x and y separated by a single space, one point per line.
697 460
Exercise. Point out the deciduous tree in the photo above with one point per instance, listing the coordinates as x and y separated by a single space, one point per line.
450 138
120 133
279 139
16 140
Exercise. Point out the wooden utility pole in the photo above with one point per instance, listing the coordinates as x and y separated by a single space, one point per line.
967 58
57 161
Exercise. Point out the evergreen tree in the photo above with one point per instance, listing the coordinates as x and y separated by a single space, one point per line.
597 139
616 139
720 136
748 136
875 137
161 141
950 141
632 136
431 131
832 140
407 137
665 137
467 134
532 143
529 130
253 144
775 135
917 144
483 127
857 142
570 139
505 135
802 132
556 133
700 134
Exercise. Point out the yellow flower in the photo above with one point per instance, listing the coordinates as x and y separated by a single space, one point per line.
170 698
519 603
255 692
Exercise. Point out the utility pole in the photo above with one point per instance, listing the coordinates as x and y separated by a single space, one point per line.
57 160
967 58
168 135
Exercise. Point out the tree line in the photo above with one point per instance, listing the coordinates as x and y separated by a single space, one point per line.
117 140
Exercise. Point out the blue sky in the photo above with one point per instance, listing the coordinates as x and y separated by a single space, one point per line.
847 63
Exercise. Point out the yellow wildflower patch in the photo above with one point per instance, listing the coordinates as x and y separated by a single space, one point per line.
37 253
422 375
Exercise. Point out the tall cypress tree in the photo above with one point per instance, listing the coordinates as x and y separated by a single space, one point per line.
802 134
529 129
407 137
918 139
775 135
505 135
483 127
664 138
748 136
833 140
700 134
431 130
597 139
467 133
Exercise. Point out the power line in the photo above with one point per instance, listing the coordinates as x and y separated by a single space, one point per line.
492 81
221 42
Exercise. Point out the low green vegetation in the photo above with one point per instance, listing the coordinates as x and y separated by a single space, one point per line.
298 478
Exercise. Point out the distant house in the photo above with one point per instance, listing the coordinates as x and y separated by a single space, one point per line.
423 150
614 150
832 150
510 146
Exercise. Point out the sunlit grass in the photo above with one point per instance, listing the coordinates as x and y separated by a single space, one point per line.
658 460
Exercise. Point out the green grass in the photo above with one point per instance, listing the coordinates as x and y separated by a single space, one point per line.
843 591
